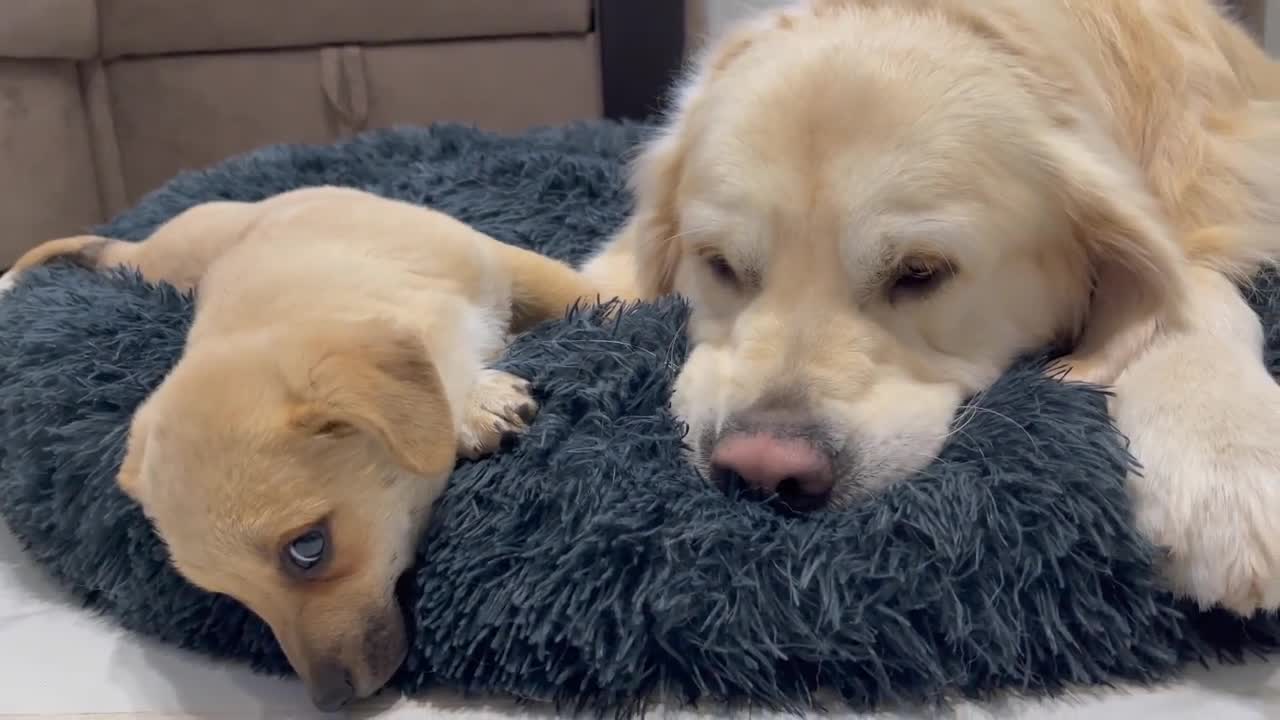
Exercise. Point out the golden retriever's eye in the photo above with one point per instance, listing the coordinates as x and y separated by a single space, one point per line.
307 551
335 428
721 269
915 277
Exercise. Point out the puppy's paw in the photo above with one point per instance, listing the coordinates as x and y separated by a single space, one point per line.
499 408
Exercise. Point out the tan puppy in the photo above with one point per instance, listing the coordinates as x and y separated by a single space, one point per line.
874 206
335 370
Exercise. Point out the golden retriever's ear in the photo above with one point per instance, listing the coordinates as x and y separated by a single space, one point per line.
375 379
1138 267
652 234
741 37
653 230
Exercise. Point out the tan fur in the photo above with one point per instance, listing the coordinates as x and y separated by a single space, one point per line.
335 370
1089 172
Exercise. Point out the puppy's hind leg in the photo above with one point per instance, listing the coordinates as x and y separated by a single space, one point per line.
177 253
88 251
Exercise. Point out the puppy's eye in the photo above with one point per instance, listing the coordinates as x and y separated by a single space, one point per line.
721 269
307 550
916 277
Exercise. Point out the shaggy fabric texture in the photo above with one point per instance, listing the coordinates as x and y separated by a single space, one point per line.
590 565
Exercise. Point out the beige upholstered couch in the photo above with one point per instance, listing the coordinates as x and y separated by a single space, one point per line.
103 100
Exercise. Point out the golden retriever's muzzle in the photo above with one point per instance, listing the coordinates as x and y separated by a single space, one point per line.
778 453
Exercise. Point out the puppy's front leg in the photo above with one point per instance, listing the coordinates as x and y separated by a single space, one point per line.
1203 418
498 408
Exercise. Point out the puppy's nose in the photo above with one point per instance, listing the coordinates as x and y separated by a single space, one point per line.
793 471
331 687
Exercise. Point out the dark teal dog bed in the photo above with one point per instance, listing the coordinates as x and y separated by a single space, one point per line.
590 565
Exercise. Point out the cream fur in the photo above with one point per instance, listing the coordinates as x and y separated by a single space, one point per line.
1083 171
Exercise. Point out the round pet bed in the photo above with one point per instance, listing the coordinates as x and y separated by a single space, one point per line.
590 565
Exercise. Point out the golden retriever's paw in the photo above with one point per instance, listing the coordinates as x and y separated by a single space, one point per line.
1205 426
1202 415
500 408
1219 521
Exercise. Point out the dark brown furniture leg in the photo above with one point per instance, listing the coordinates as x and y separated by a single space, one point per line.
642 47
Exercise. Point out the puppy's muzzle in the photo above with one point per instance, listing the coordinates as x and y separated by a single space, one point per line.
779 456
331 687
335 680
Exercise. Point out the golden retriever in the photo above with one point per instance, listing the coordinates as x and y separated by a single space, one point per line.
335 369
874 206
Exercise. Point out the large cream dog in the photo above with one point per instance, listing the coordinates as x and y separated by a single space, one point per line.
335 370
873 206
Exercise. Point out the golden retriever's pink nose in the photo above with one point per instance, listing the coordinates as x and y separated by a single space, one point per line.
791 471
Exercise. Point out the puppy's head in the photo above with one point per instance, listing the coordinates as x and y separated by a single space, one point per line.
873 210
293 470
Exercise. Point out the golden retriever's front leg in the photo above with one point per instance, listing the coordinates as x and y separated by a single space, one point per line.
498 408
1203 416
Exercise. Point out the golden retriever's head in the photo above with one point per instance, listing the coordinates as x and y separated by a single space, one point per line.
872 209
293 471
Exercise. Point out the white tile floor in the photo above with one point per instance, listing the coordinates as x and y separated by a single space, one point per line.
58 661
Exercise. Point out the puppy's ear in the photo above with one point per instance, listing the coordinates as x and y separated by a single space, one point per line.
377 380
1139 269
